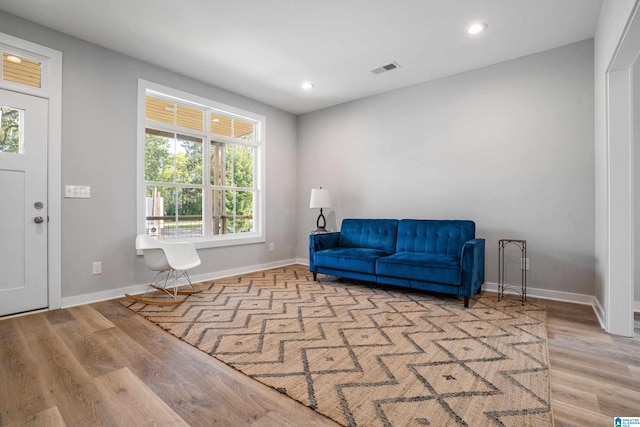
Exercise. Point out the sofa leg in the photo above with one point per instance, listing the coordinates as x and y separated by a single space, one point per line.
479 291
315 276
466 301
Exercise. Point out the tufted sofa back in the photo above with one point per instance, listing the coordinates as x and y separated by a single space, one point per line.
369 233
434 236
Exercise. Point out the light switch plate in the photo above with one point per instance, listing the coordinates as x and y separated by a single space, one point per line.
77 191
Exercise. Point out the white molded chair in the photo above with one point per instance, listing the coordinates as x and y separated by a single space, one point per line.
171 262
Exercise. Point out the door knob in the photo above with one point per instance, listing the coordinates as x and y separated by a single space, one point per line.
38 220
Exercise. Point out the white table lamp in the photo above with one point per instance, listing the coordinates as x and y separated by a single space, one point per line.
320 199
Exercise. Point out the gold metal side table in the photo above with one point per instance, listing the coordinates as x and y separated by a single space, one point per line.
522 245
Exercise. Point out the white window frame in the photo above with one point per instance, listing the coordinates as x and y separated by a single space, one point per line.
258 235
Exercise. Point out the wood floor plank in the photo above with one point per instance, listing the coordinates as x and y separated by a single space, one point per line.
615 374
86 346
22 393
572 396
570 416
132 400
63 377
90 318
47 418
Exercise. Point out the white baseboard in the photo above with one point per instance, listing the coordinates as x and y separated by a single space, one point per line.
138 289
538 293
549 294
489 286
561 296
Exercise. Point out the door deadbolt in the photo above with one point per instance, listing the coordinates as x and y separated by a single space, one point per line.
38 220
38 205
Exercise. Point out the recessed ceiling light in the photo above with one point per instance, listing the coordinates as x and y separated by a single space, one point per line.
308 85
14 59
477 27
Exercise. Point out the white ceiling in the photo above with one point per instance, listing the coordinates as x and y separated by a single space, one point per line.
265 49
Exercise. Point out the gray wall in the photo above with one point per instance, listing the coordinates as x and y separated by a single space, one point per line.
509 146
99 149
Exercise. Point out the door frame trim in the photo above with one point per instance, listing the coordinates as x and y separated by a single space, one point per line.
621 218
53 93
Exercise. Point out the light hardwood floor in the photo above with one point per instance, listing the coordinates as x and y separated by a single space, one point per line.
101 364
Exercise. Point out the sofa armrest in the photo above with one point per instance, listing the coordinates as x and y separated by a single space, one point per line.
318 242
472 265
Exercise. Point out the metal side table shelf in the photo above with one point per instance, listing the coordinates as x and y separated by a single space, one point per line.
522 245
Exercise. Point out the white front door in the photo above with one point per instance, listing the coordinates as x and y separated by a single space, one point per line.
23 203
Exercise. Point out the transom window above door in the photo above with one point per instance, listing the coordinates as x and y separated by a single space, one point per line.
21 70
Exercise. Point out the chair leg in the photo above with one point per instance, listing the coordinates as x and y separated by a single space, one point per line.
466 301
184 272
315 276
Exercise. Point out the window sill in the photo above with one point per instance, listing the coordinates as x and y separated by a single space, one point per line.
219 241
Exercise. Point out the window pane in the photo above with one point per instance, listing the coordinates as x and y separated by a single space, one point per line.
11 130
168 159
238 166
189 205
173 212
160 110
172 113
232 165
21 70
243 129
158 156
191 118
189 160
232 127
219 220
221 125
243 211
243 166
232 211
218 155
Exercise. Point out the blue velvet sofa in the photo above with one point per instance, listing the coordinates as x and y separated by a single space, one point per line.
433 255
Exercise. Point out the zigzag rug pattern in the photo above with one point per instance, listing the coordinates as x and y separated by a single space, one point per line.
367 356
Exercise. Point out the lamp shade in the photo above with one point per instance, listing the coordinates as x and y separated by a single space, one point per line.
320 198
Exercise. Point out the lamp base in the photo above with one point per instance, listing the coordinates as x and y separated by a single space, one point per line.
321 224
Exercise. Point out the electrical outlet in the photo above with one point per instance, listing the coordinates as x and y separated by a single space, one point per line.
524 263
272 247
97 268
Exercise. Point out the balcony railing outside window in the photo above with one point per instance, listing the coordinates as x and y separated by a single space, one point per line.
191 225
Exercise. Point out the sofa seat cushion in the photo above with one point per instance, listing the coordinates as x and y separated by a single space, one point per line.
362 260
439 268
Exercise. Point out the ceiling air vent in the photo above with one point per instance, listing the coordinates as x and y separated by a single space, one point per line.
385 68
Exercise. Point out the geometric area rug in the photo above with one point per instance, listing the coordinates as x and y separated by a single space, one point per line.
364 355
